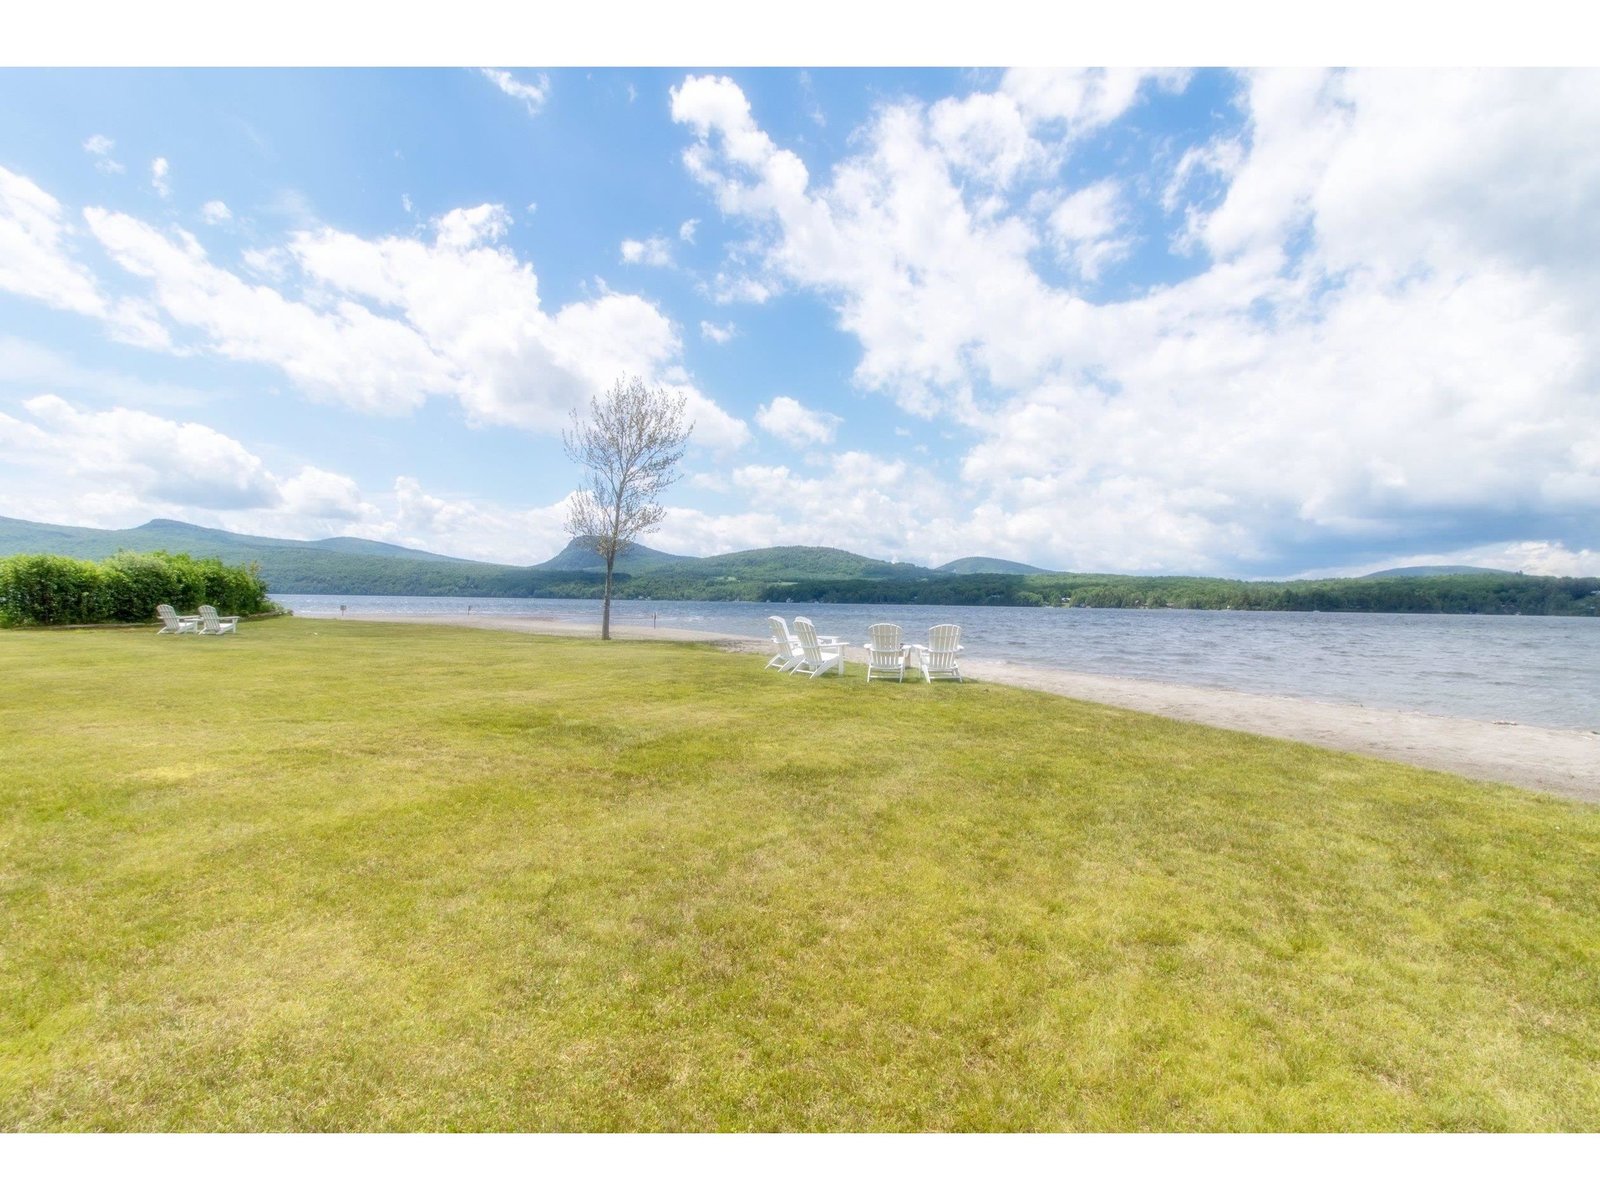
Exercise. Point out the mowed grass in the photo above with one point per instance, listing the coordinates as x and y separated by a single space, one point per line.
326 876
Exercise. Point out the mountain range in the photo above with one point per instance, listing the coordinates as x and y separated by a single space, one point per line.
799 574
344 564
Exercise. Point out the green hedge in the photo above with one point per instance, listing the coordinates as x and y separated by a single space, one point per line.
46 589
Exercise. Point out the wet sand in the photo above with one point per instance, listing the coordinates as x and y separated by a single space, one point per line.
1565 762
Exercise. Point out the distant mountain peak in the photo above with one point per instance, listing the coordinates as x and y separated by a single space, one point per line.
1411 572
159 523
577 556
979 565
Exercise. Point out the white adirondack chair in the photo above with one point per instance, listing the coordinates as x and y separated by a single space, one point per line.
788 648
939 657
211 623
171 622
816 655
886 653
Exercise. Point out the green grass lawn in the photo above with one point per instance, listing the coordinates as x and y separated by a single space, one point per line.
344 876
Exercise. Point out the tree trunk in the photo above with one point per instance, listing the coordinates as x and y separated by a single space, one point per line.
605 611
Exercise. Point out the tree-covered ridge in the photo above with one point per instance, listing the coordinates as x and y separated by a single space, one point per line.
812 574
180 537
776 564
1501 594
1496 594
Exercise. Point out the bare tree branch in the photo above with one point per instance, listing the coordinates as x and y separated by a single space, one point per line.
629 446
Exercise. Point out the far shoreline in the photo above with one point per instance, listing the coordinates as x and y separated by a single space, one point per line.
1562 762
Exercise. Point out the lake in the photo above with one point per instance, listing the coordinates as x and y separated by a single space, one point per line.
1532 670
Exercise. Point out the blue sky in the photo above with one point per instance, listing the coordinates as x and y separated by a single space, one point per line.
1261 324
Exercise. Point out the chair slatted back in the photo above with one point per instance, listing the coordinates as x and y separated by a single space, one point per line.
807 633
169 617
943 641
887 650
781 637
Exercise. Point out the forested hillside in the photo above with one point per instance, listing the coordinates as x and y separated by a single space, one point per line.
811 574
1498 593
179 537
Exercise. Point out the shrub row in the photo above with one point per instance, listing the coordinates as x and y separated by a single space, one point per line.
45 589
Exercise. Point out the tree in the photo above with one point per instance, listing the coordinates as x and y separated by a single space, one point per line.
628 447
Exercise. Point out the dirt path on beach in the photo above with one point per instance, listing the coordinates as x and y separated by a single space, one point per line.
1563 761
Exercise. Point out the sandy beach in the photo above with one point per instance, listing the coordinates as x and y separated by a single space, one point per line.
1560 761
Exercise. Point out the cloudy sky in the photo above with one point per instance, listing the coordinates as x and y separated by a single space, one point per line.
1261 324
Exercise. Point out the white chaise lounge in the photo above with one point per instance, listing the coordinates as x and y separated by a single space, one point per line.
211 623
171 622
886 652
817 655
939 658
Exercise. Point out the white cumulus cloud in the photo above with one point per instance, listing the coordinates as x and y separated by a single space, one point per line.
376 324
35 258
98 146
1084 227
532 95
346 353
714 428
1382 333
786 418
155 458
652 252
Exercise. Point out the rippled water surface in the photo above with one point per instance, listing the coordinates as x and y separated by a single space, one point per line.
1533 670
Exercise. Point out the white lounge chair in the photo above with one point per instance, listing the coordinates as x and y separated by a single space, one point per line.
815 656
211 623
171 622
886 653
783 641
788 645
939 656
